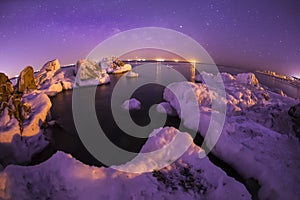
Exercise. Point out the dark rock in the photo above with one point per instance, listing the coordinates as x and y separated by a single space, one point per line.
295 111
6 90
3 78
26 80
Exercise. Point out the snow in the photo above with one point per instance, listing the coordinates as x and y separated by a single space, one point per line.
63 177
112 64
132 74
47 71
165 107
247 78
131 104
120 69
258 139
13 148
53 79
89 73
205 76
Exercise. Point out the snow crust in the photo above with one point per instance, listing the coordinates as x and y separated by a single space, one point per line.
258 139
14 149
90 74
63 177
120 69
247 78
226 77
52 79
132 104
165 107
132 74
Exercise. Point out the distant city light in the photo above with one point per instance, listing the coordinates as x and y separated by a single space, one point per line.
176 60
160 60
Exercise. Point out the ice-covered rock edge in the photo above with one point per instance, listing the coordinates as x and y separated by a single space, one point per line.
245 128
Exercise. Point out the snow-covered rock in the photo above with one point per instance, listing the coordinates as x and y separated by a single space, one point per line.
247 78
257 139
132 104
122 69
26 80
6 89
112 64
165 107
89 73
52 65
14 148
53 79
132 74
63 177
226 77
47 71
66 85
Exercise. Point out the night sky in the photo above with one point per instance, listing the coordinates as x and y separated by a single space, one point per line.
255 33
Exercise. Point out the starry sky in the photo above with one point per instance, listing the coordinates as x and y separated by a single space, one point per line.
256 34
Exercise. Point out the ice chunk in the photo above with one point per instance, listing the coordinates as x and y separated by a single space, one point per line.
90 74
165 107
132 104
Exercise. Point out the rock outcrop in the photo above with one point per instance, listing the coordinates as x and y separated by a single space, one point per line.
11 105
247 78
6 88
114 65
89 73
47 71
26 80
53 79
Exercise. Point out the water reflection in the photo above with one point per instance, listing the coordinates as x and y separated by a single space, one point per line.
193 72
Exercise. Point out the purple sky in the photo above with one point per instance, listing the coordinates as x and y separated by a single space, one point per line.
254 33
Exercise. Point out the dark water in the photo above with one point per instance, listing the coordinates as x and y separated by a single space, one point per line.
64 136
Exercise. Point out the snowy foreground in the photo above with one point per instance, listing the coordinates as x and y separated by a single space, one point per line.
257 139
63 177
15 149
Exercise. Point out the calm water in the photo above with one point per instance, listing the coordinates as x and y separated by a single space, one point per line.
65 137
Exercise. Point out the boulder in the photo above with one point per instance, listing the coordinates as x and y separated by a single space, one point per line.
89 73
165 107
6 90
52 65
47 71
3 78
26 80
247 78
114 65
131 104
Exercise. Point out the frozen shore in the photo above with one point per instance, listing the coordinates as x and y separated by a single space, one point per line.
63 177
258 138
